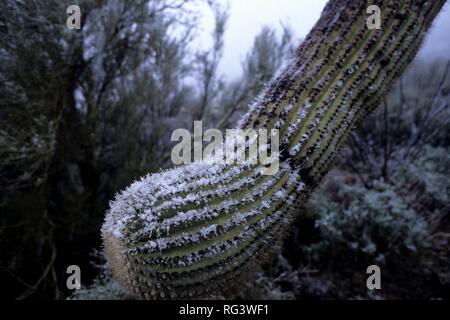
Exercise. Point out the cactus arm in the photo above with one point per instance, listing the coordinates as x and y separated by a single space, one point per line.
198 228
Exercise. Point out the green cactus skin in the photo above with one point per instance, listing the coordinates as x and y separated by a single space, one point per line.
200 228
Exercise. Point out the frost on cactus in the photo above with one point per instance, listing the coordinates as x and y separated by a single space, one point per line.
168 225
195 229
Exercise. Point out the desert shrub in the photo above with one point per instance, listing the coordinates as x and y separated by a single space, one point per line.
386 220
103 287
366 225
429 172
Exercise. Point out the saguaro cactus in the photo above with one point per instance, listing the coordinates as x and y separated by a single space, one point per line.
198 228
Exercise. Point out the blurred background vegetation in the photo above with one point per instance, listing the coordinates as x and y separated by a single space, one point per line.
84 113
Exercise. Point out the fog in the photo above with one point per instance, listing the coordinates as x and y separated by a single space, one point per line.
249 16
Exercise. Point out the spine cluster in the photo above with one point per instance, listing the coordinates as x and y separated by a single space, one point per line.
197 228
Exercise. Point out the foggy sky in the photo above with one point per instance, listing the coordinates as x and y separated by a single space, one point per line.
247 17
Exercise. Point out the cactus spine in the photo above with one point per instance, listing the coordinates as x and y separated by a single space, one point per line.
197 228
